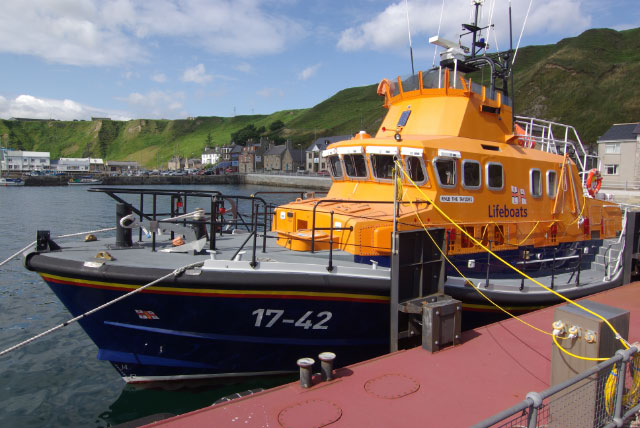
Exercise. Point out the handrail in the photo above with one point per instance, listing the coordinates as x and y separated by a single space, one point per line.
182 195
534 400
541 132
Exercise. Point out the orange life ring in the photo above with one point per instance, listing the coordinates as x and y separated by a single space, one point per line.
524 140
593 187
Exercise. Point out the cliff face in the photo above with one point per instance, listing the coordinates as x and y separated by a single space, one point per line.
590 81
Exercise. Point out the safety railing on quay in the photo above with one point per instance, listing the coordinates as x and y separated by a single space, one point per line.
598 397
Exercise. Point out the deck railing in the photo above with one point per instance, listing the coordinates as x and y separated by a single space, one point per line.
560 139
594 398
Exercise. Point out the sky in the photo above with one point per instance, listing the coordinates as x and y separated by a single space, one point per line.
129 59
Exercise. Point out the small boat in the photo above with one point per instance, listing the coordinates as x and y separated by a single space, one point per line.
85 181
11 181
240 288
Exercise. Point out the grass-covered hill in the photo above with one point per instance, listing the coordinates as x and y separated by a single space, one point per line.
590 81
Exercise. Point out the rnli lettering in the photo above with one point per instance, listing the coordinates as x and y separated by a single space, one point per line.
456 199
497 211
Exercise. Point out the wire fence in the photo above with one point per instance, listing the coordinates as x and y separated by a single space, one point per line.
595 398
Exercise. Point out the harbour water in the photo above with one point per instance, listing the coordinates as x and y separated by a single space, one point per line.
57 380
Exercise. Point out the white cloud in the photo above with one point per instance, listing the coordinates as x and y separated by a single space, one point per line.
270 92
244 67
114 32
388 30
44 108
308 72
156 104
196 74
159 77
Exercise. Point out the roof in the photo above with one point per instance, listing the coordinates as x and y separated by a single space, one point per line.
276 150
321 143
297 155
122 163
621 131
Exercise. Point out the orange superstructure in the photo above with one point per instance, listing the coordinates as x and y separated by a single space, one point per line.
455 148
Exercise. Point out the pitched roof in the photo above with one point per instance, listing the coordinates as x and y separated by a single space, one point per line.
276 150
322 142
621 131
297 155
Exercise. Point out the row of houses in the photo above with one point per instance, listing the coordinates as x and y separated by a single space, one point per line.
22 161
266 156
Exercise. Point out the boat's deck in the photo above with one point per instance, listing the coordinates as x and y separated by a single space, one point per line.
141 254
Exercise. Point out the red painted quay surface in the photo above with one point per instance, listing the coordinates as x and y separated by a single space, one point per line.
494 368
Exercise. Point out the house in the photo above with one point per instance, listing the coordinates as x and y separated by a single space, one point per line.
252 157
121 167
283 158
314 160
24 161
619 152
176 163
211 156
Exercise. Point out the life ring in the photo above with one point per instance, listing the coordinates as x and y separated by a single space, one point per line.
524 140
593 187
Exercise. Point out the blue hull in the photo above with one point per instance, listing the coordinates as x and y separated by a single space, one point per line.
152 336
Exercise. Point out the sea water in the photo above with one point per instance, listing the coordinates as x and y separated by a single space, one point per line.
57 380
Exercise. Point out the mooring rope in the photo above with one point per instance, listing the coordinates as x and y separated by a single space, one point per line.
94 310
57 237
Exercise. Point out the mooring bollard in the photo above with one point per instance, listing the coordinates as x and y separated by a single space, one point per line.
326 365
306 366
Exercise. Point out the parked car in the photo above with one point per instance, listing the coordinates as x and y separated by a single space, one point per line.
324 173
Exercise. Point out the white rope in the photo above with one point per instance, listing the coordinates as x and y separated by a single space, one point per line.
521 32
57 237
92 311
435 48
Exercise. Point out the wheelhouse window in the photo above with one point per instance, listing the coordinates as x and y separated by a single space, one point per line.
552 184
415 169
535 181
495 176
445 171
335 167
471 175
382 166
355 165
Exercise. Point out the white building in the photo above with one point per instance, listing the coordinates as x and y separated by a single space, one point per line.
23 161
619 152
73 165
210 156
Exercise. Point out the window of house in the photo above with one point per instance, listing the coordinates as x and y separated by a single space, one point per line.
414 166
355 165
335 166
471 174
552 183
495 176
612 148
445 171
535 182
382 166
611 169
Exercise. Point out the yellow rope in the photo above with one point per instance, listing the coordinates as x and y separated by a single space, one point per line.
461 229
475 287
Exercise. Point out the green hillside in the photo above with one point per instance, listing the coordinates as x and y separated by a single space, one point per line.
590 81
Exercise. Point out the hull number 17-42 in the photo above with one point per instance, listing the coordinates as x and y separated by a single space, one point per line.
267 318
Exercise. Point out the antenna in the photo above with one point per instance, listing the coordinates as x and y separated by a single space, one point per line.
513 98
406 4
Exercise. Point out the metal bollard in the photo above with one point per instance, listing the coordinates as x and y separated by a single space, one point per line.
326 365
306 366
